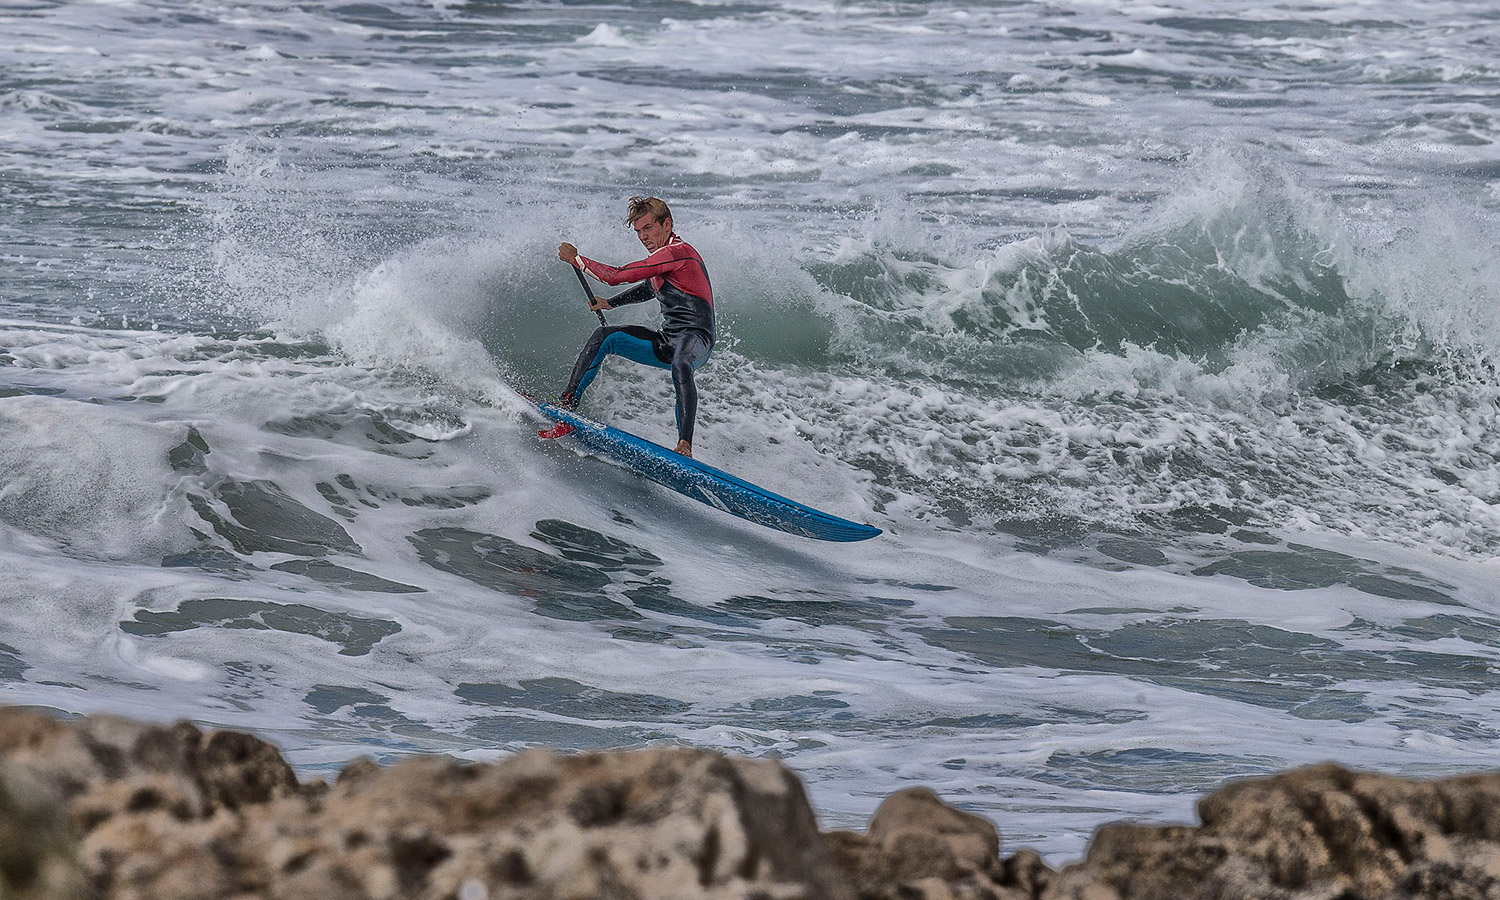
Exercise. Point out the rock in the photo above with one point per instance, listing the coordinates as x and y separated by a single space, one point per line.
1320 831
105 808
926 835
172 812
919 847
102 765
38 856
116 783
660 823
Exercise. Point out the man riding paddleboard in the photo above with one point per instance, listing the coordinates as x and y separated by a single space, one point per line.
673 274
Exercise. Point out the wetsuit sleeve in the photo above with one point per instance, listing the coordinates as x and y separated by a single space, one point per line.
677 264
638 294
659 264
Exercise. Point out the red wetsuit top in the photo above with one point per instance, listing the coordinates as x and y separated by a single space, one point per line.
675 275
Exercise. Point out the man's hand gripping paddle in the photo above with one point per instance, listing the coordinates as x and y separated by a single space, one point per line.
562 428
583 283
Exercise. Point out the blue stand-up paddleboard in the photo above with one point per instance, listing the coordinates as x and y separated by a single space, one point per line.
705 484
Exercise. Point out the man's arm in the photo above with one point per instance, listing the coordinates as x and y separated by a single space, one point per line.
638 294
659 264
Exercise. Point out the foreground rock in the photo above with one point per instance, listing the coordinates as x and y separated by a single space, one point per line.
1317 832
38 855
919 847
106 808
173 812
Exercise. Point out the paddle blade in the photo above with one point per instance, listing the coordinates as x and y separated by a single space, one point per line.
556 431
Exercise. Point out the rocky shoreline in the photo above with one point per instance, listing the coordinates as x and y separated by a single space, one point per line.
102 807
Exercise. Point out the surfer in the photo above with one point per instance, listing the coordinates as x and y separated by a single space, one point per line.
672 273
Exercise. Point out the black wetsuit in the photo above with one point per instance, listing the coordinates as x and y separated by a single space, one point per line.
676 276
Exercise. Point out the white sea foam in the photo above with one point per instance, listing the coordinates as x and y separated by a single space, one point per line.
92 482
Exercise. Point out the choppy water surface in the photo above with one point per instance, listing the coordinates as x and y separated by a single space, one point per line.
1160 339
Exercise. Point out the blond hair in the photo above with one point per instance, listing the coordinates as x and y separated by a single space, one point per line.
640 206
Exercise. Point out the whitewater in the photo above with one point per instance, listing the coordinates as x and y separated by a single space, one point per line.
1160 339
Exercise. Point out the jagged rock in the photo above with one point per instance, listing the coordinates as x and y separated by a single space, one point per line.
661 823
102 765
109 809
172 812
919 847
1317 832
38 859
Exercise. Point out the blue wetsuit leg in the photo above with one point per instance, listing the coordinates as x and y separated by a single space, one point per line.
633 342
650 348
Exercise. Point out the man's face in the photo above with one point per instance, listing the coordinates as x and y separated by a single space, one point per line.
653 234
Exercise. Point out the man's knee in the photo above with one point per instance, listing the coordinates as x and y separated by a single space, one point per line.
595 341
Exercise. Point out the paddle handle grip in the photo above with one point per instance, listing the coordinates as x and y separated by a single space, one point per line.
583 283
